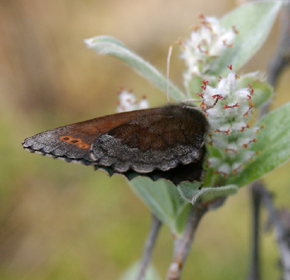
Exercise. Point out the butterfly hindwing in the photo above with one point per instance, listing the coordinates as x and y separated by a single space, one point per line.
160 141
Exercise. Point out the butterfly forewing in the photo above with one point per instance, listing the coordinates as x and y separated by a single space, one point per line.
72 142
165 142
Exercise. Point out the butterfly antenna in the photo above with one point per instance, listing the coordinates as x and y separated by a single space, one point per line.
211 106
167 71
198 100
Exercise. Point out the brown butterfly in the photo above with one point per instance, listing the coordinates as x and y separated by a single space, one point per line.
165 142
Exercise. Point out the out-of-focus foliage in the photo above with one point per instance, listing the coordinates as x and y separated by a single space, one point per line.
64 221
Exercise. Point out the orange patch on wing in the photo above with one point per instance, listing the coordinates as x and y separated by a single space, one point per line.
74 141
83 145
65 138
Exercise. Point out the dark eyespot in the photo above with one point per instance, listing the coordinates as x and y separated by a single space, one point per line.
83 145
65 138
75 141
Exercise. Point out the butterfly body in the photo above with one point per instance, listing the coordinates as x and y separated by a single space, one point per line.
165 142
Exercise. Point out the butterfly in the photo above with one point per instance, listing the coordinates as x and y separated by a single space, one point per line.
165 142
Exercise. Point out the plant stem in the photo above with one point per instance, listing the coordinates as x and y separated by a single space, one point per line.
151 239
281 230
182 246
281 57
255 244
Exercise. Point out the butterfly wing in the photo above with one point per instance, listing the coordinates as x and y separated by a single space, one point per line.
72 142
190 172
167 143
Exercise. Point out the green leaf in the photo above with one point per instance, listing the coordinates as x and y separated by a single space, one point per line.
194 85
181 217
210 194
273 146
193 195
253 21
262 89
107 45
188 190
163 199
131 273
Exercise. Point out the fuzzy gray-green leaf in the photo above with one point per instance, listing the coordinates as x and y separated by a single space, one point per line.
254 22
163 200
273 146
262 89
107 45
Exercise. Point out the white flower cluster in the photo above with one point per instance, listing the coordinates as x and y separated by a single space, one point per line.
128 102
205 43
229 110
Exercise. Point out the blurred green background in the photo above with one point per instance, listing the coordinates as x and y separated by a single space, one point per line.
65 221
